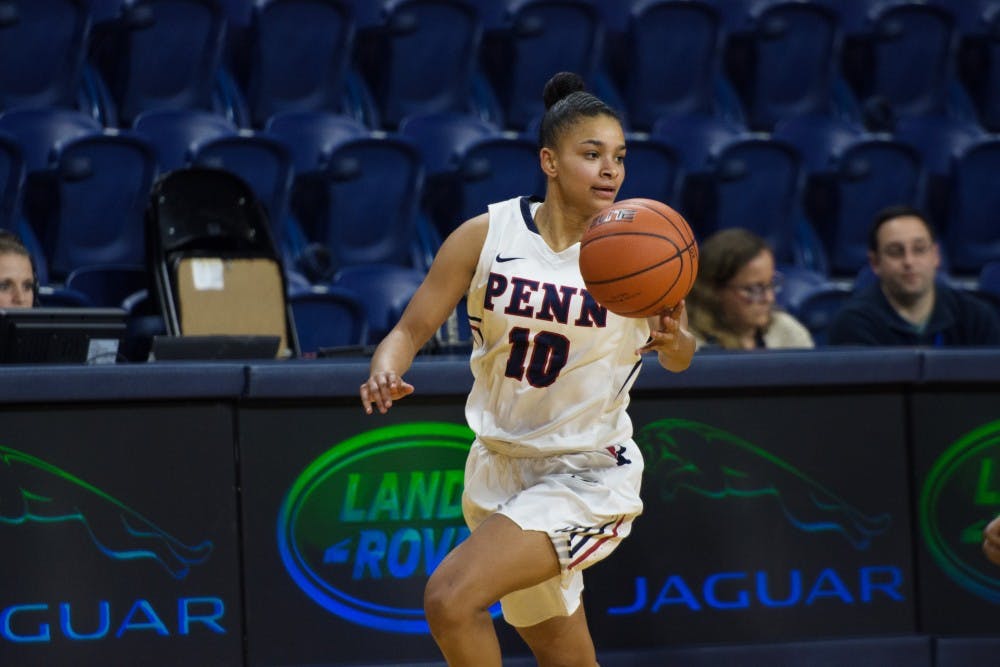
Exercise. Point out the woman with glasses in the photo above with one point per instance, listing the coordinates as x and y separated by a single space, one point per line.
732 303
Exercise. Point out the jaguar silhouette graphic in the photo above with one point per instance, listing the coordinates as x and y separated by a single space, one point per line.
35 491
690 457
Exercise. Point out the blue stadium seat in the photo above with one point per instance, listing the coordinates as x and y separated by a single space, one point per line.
101 186
177 133
903 63
43 47
495 169
865 177
539 39
979 64
492 13
755 183
652 171
785 64
972 235
817 309
310 136
938 140
109 285
328 318
40 131
443 137
143 322
669 62
737 15
30 239
970 16
796 283
11 182
104 10
384 289
367 13
819 138
363 206
295 56
989 278
237 12
696 137
161 54
422 58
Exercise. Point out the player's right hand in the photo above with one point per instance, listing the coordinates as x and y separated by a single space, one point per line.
382 388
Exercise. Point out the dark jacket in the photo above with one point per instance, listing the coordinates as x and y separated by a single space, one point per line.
958 318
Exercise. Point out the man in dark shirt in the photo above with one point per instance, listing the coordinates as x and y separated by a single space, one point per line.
907 305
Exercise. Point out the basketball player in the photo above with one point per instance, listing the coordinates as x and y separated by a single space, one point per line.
552 479
17 274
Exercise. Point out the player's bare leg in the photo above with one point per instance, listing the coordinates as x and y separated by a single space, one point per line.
496 559
563 641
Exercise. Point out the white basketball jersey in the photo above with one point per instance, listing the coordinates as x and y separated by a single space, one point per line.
552 368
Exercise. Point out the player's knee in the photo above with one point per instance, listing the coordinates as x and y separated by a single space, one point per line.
447 605
443 605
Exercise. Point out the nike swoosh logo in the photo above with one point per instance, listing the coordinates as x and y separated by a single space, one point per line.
506 259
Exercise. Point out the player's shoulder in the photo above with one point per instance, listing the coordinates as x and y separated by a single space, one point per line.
471 234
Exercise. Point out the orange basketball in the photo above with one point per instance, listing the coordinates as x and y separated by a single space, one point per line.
638 257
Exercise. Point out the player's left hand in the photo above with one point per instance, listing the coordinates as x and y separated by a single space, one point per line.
667 335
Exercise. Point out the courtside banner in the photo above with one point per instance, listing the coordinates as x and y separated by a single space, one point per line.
957 459
767 518
119 539
346 515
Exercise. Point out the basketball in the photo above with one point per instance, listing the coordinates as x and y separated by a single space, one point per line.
638 257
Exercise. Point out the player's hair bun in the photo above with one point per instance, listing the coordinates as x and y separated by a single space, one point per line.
561 85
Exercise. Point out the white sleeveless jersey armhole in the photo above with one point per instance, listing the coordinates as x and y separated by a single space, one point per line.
552 369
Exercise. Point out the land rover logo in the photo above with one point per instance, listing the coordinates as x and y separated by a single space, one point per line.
365 524
961 494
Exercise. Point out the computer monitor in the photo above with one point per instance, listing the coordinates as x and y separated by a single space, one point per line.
61 335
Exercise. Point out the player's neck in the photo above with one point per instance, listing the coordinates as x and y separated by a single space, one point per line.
558 229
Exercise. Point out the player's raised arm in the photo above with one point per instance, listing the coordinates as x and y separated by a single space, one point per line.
446 282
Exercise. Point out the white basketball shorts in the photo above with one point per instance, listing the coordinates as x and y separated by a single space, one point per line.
584 501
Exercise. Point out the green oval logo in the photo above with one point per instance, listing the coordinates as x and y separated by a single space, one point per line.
961 493
366 523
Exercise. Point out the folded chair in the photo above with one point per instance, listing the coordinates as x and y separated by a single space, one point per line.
216 270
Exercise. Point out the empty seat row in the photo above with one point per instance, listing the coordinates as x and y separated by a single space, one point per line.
338 194
754 60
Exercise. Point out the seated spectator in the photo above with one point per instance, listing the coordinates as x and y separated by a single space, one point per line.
17 273
732 303
907 304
